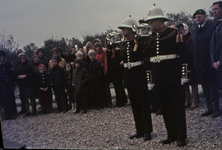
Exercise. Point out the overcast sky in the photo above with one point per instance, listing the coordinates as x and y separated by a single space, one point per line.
36 20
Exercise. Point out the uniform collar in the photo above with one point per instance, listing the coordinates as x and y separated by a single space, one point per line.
161 29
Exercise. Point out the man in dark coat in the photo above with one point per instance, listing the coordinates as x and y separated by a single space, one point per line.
80 81
205 74
166 57
216 41
7 87
135 80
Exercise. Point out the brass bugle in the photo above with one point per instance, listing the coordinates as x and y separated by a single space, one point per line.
114 37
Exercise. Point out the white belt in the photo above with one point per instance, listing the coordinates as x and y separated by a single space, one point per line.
159 58
133 64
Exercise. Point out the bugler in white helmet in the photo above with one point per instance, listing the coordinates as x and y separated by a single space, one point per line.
127 23
155 13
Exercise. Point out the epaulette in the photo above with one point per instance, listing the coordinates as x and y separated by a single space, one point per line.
179 38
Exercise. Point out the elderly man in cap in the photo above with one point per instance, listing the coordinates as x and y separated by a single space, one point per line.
135 80
7 86
166 57
205 74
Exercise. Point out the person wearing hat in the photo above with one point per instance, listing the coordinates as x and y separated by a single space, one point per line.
166 55
135 80
7 87
205 74
25 74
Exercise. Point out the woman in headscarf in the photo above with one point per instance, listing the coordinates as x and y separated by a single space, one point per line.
25 74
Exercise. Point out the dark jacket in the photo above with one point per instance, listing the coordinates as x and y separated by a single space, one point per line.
201 54
43 82
28 70
95 72
80 79
7 75
133 77
68 81
58 76
165 43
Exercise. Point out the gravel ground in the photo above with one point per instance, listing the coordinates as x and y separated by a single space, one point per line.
108 128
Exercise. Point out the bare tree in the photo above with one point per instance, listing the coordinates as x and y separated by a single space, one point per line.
8 45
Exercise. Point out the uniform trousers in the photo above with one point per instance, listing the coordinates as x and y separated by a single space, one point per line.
121 98
172 104
140 104
7 99
212 96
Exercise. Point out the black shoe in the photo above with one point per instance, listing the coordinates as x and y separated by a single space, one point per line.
64 111
216 114
13 117
6 118
181 143
21 112
76 112
98 108
135 136
84 111
168 141
159 112
58 111
147 137
207 113
27 114
33 113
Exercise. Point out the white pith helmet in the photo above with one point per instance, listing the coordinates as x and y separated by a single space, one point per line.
127 23
155 13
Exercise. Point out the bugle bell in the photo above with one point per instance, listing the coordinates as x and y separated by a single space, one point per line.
115 37
142 29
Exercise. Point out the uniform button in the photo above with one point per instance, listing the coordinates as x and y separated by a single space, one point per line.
157 48
127 42
157 45
43 81
157 38
128 60
157 52
128 57
3 68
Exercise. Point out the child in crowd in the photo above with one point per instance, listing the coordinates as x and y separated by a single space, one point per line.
56 81
80 81
69 88
96 74
43 87
80 55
